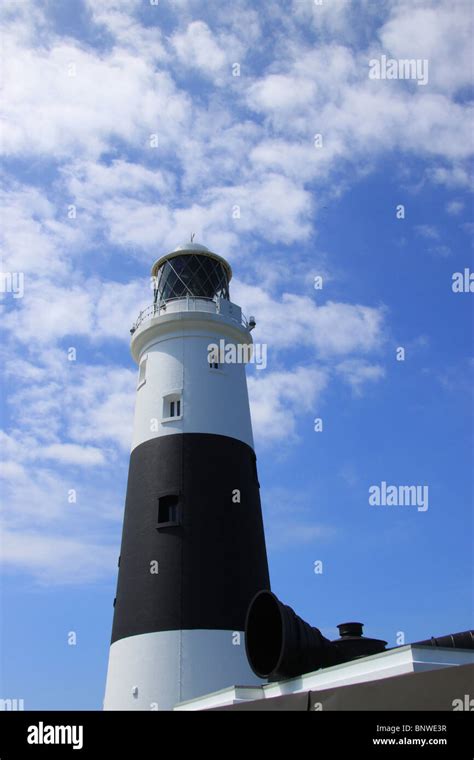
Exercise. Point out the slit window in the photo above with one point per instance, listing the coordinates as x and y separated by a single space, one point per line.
175 408
172 406
168 513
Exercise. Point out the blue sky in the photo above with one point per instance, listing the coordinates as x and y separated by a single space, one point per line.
90 202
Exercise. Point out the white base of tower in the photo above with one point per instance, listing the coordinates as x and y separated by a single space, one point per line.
155 671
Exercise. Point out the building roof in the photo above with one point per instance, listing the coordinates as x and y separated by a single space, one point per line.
439 689
401 661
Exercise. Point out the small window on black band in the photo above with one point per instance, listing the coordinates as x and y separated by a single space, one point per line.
168 511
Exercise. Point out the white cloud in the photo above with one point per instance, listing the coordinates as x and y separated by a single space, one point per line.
118 95
57 559
327 91
445 40
278 92
454 207
197 48
18 449
336 19
274 207
277 399
71 453
117 17
50 517
71 403
94 309
358 372
90 183
37 238
428 231
33 497
296 320
280 398
442 251
454 176
101 408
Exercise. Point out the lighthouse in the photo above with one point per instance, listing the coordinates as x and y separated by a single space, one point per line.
193 551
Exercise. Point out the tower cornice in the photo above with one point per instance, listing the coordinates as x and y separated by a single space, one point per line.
180 322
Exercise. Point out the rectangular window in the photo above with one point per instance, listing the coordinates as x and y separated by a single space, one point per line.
142 372
168 510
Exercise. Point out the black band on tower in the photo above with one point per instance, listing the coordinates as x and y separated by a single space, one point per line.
183 512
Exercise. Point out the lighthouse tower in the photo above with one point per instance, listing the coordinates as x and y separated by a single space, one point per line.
193 549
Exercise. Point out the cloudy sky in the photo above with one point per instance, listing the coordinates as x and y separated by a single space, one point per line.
129 124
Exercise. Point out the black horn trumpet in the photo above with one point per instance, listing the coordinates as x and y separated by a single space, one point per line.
279 644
